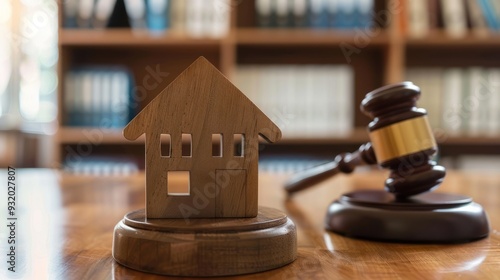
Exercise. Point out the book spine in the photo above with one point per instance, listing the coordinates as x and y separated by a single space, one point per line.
157 16
103 10
489 14
136 11
85 13
264 9
418 18
477 20
70 13
299 10
454 17
318 15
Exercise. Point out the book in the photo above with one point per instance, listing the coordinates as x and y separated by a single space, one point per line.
454 17
303 100
365 11
477 20
221 16
157 17
300 13
452 96
103 10
98 97
70 13
136 11
195 17
430 82
283 13
493 101
346 14
263 10
318 15
489 14
178 14
85 13
418 18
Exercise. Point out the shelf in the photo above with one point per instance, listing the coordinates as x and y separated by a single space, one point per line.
94 135
439 38
304 37
244 36
469 140
128 38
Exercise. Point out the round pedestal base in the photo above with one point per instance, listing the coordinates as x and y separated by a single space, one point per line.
205 247
428 218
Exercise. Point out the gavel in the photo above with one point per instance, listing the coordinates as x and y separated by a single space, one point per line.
401 140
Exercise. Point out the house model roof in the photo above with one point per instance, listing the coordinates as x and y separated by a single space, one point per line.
201 99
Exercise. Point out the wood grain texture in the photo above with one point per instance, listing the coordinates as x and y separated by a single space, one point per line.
67 222
202 102
206 247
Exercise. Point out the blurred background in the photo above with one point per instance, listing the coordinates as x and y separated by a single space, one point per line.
74 72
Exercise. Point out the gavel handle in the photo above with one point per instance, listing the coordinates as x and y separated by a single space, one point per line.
343 163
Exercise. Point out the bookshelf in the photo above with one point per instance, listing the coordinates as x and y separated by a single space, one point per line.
382 59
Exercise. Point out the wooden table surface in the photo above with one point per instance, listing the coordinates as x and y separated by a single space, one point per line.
65 226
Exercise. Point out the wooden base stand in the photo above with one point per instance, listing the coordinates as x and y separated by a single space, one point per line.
205 247
429 217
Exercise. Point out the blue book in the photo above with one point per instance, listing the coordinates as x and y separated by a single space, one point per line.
345 15
319 14
157 15
489 14
364 13
70 14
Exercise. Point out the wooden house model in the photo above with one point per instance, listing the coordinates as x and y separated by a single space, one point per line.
220 177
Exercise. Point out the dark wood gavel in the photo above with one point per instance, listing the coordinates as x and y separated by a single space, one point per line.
401 141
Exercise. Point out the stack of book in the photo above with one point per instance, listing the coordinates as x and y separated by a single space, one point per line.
461 101
305 101
99 97
456 17
197 18
338 14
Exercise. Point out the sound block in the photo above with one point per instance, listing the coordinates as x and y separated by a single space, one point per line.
424 218
205 247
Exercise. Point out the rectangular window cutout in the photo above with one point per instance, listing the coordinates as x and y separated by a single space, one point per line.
178 183
165 145
239 145
217 145
187 145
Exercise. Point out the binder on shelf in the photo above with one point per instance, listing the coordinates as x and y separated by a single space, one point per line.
364 13
318 14
477 20
157 15
489 14
462 101
103 11
136 11
418 18
99 97
85 13
70 13
454 17
178 14
283 13
346 14
264 9
300 13
304 100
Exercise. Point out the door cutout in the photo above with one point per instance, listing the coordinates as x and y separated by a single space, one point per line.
178 183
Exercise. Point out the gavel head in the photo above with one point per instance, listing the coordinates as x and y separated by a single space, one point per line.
402 139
